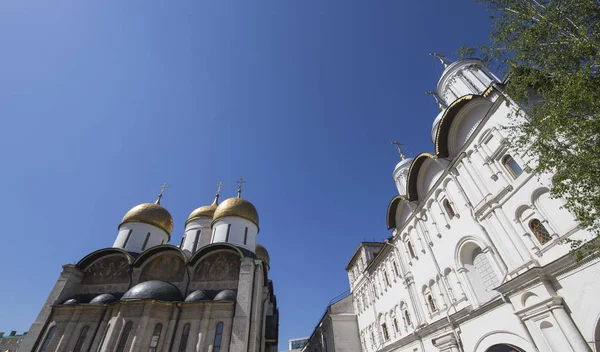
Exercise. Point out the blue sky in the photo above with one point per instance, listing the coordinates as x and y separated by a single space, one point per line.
103 101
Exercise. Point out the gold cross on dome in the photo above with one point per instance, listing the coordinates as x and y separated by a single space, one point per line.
241 183
399 146
441 57
162 190
219 185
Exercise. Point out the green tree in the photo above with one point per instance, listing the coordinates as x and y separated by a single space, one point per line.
550 52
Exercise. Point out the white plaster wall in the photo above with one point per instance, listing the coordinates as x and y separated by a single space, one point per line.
138 236
191 229
236 233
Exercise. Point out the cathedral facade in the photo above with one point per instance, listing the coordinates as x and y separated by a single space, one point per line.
210 293
476 260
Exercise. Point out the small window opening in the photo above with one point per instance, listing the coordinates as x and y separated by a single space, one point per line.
513 168
218 337
124 337
196 239
48 339
540 232
407 317
246 235
386 334
155 338
449 209
184 338
146 241
81 339
228 231
410 249
127 238
431 303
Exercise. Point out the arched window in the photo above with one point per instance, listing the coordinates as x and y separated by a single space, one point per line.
395 268
184 338
218 337
127 238
512 166
103 338
155 337
386 334
411 251
407 317
396 327
449 209
48 339
385 276
81 339
431 303
182 240
124 337
540 231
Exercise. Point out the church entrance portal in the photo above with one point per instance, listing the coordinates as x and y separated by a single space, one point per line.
504 348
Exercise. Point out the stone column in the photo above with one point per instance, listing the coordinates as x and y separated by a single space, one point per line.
569 329
241 321
202 344
514 237
476 175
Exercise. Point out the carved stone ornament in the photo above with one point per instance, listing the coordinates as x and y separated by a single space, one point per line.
218 267
110 270
165 267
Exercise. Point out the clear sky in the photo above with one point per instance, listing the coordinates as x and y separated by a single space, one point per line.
103 101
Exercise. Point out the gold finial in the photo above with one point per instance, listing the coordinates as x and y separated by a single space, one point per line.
241 183
399 146
437 99
219 185
162 190
441 57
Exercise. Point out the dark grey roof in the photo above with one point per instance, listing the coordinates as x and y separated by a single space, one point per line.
158 290
105 298
226 295
198 296
70 302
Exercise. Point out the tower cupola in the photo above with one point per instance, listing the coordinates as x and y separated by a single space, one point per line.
464 77
144 226
235 221
198 226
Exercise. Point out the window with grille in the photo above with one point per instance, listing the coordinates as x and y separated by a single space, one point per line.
81 339
431 303
155 338
124 337
407 317
540 232
449 209
386 334
385 276
396 328
513 168
410 249
48 339
396 268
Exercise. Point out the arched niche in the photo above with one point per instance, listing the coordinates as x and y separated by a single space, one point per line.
479 268
498 341
218 269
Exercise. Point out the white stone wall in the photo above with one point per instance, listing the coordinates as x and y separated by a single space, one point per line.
466 231
238 227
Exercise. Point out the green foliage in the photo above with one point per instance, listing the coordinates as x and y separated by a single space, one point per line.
550 50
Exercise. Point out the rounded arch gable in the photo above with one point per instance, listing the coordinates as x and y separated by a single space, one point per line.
395 203
465 246
89 259
164 264
412 192
502 337
149 253
458 123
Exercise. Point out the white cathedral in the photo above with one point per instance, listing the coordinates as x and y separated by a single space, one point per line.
210 293
477 260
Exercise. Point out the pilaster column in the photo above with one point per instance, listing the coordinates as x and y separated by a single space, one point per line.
477 192
569 329
476 175
202 344
514 237
140 330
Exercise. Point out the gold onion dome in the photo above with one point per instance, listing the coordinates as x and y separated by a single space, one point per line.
152 214
261 253
237 207
205 211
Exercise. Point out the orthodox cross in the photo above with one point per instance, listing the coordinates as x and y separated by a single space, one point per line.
162 190
219 185
399 146
437 99
241 183
441 57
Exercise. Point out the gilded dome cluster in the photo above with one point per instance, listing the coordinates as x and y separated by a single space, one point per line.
237 207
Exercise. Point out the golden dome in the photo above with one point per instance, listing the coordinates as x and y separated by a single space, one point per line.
151 214
205 211
238 207
261 253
